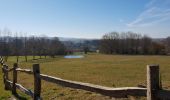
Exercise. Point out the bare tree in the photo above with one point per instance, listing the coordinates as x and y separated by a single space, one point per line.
146 43
129 43
167 45
6 47
25 48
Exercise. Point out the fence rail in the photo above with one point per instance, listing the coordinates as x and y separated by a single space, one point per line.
21 88
112 92
27 71
152 92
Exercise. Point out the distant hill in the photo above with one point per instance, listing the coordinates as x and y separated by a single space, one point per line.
80 43
75 40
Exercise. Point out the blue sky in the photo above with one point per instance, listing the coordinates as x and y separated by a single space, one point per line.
85 18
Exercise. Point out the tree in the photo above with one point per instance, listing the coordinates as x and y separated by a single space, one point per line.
31 44
86 49
56 47
110 43
5 42
129 43
25 48
157 48
146 43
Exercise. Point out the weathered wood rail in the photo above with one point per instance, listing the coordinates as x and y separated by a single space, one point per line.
152 92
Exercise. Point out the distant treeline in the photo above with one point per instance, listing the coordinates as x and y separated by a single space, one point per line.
111 43
34 46
133 43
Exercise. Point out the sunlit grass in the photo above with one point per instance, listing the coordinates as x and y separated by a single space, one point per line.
107 70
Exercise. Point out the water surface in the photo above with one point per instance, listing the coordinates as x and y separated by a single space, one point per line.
73 56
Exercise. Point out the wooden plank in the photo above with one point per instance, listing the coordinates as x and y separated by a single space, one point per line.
37 81
2 63
5 77
5 73
14 78
107 91
164 94
1 60
152 82
26 91
28 71
9 70
10 84
6 69
21 88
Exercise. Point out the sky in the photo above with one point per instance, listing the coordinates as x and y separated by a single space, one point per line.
85 18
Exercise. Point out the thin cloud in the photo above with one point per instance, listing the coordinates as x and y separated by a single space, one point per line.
157 11
151 3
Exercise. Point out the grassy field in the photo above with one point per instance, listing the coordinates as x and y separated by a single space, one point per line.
106 70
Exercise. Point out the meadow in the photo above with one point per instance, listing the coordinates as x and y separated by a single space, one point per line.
100 69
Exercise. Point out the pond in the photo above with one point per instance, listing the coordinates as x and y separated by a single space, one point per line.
73 56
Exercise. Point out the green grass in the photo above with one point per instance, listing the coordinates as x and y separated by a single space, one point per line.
3 94
106 70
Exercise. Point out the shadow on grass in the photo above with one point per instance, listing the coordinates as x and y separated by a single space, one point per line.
44 60
19 97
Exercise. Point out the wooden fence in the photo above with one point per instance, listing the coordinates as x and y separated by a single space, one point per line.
153 91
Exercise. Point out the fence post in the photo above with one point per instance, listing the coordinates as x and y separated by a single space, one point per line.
14 78
1 60
152 81
5 77
37 81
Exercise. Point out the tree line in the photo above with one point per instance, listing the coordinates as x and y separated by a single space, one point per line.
133 43
30 46
111 43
